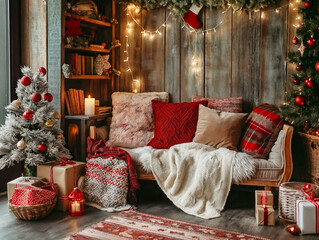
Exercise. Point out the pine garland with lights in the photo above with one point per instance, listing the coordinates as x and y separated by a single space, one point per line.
302 104
181 7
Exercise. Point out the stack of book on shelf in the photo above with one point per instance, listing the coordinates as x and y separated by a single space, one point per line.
74 101
81 65
102 109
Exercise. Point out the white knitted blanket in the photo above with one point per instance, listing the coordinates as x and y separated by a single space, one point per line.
196 177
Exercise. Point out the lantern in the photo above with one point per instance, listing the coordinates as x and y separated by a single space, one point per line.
76 202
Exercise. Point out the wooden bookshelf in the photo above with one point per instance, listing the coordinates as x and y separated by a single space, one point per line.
89 77
87 50
91 21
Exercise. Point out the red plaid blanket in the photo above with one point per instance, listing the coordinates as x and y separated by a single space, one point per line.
98 149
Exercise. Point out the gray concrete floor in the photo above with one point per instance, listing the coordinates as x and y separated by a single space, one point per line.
237 216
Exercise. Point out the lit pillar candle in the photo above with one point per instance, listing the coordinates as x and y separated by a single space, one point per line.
136 86
76 207
89 106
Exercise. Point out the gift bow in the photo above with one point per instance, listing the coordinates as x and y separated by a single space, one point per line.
64 162
308 192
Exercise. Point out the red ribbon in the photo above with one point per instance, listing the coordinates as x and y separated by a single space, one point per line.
263 198
265 215
310 196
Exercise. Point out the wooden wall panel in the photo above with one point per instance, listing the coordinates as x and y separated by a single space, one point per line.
152 74
218 53
245 58
173 59
273 52
192 76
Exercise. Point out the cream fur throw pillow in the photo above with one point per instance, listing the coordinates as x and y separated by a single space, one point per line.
219 129
132 122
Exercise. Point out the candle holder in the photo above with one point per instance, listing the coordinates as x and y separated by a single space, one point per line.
76 202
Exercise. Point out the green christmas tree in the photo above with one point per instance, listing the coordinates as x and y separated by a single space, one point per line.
29 133
301 108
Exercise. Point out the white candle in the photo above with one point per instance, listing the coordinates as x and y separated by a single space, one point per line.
76 207
136 86
89 106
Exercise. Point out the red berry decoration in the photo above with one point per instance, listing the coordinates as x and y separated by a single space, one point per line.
42 147
317 66
309 82
48 97
295 40
27 115
307 4
296 81
36 97
25 80
311 41
42 70
299 67
110 71
300 100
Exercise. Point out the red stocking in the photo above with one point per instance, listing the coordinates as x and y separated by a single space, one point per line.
191 16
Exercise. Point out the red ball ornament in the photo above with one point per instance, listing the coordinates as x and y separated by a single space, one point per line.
300 100
25 80
27 115
308 4
42 147
317 66
42 70
296 81
295 40
311 41
309 82
36 97
110 71
299 67
293 229
48 97
103 44
317 132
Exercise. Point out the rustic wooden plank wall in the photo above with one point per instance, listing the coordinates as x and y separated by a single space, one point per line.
246 56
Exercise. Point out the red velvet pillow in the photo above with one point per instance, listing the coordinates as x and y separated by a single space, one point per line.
174 123
264 124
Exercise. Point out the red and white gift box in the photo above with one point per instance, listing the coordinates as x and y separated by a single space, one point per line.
308 216
29 196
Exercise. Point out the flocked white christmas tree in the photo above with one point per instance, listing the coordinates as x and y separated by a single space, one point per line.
29 133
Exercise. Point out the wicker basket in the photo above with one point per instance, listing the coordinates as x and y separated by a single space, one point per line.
311 144
289 193
33 212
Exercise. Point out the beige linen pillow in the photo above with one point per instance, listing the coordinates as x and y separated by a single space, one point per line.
219 129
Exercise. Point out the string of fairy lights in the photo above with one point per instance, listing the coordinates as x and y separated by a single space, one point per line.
151 34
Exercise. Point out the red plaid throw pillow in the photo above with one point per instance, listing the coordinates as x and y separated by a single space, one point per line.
263 126
174 123
232 104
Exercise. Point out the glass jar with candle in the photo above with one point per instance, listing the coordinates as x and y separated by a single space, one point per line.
76 202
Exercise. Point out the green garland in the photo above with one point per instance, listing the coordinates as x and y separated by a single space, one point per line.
181 7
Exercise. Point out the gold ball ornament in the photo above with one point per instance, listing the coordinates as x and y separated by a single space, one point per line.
49 123
57 115
21 144
16 102
61 136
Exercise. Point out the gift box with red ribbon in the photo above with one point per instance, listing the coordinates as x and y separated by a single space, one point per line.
263 197
265 215
65 174
29 196
307 212
23 181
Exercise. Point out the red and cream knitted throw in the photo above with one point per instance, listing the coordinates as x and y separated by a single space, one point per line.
97 149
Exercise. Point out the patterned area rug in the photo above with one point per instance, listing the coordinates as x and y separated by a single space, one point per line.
136 225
